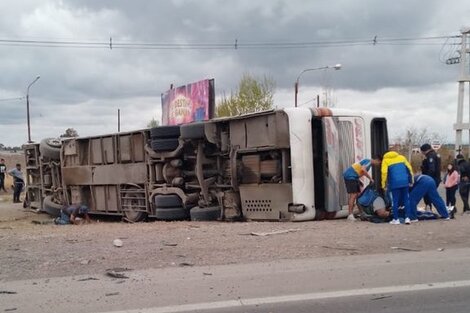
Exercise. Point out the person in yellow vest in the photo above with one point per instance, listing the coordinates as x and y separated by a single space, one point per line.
352 177
397 178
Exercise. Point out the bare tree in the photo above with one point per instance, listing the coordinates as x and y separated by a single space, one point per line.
413 138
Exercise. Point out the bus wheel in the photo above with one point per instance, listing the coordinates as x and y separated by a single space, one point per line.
211 213
193 131
168 201
50 148
172 214
134 206
51 208
165 132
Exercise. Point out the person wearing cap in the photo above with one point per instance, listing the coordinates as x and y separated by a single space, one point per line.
431 166
73 214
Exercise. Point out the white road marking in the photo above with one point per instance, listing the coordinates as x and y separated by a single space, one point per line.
298 297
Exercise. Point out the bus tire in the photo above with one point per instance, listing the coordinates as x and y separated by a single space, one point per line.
50 148
165 132
165 144
51 208
172 214
133 210
193 131
211 213
168 201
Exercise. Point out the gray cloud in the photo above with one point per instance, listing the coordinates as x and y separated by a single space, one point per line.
84 87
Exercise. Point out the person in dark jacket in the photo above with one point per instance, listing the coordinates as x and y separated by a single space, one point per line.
431 166
397 177
464 185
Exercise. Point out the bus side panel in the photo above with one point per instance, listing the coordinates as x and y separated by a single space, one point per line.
334 173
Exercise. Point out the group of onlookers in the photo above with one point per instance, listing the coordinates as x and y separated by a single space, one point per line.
406 190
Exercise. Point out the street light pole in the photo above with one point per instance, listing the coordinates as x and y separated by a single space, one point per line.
27 107
296 86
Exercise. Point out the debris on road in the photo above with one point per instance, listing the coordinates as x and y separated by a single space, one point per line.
276 232
169 244
380 298
6 292
117 243
85 262
88 278
340 248
114 274
185 264
111 294
404 249
117 272
207 274
440 249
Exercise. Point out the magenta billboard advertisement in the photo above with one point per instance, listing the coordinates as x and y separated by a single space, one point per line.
189 103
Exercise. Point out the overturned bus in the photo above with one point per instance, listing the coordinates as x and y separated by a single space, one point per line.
283 165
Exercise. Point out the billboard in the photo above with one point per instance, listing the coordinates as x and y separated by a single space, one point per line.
189 103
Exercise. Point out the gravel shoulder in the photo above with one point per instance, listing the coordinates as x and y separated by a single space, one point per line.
29 250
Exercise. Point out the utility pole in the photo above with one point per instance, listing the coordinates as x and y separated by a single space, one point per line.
119 120
464 77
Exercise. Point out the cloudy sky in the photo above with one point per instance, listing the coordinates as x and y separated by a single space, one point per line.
83 86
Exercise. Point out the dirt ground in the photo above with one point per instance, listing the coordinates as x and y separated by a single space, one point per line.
29 250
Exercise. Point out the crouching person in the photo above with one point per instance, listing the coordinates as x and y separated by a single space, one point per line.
73 214
374 206
425 186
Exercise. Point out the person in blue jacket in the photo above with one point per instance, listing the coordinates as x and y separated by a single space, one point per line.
397 177
425 186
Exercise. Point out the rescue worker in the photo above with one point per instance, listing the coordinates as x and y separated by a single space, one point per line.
18 182
425 186
397 177
351 178
431 166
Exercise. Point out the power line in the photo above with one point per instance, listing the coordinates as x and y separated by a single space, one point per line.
12 99
237 44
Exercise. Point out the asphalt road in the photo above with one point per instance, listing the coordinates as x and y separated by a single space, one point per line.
452 300
403 281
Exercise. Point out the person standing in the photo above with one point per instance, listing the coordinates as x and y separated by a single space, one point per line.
431 166
351 178
397 177
424 186
3 170
18 182
464 185
451 182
